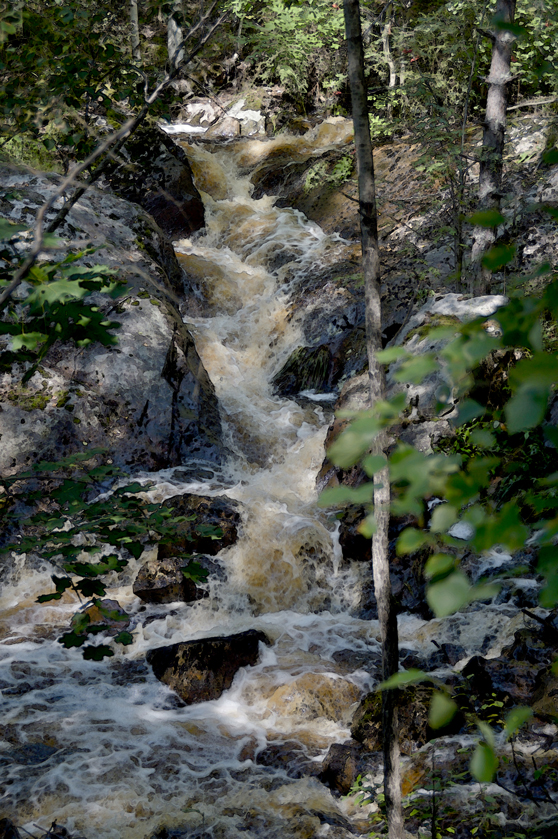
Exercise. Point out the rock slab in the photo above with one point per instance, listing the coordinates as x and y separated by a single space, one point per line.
199 671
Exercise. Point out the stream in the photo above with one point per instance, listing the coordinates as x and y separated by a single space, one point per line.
104 748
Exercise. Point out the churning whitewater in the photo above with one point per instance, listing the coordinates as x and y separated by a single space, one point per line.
105 749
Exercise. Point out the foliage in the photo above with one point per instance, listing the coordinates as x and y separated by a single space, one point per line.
87 518
462 479
291 41
51 306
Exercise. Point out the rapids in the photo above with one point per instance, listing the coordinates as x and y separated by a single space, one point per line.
104 748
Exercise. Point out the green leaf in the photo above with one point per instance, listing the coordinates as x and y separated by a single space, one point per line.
368 526
391 354
97 653
486 218
125 638
498 256
515 719
195 572
373 463
449 595
526 408
410 540
468 410
91 588
443 516
442 710
406 677
9 229
439 565
550 157
135 548
72 639
484 764
335 496
29 340
416 368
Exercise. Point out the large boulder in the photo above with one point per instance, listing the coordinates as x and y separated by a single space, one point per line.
199 671
162 581
154 172
148 400
213 525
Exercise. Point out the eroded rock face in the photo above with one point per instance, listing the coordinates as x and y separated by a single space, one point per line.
157 176
199 671
342 765
162 581
147 401
219 512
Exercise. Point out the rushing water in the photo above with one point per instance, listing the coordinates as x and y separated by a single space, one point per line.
104 748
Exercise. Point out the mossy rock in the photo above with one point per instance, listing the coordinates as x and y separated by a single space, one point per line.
29 399
308 368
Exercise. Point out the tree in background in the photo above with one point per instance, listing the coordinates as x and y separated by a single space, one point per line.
491 158
371 273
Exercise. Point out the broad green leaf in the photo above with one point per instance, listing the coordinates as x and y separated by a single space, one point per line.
125 638
368 526
97 653
484 764
416 368
406 677
526 408
391 354
442 710
9 229
468 410
443 516
438 565
498 256
72 639
487 732
373 463
195 572
550 157
486 218
29 340
482 438
515 719
410 540
91 588
449 595
347 495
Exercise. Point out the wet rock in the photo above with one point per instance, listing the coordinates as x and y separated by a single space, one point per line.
162 581
342 765
290 757
156 175
199 671
147 401
218 513
109 614
8 830
225 128
314 695
414 705
521 672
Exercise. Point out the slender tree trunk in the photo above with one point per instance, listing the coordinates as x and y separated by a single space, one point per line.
174 35
371 272
135 38
490 176
386 46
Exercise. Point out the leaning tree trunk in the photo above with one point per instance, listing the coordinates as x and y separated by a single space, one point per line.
135 35
371 273
490 176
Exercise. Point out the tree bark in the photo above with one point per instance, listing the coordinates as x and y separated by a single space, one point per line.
135 36
490 176
371 273
174 35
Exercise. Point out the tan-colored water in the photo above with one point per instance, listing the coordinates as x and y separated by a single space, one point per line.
102 748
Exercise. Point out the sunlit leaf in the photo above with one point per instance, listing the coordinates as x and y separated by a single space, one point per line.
438 565
442 710
515 719
484 763
443 516
410 540
406 677
9 229
449 595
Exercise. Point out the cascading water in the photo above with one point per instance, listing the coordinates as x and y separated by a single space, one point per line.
104 748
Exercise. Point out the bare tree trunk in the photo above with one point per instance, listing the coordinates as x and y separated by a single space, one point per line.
174 35
490 176
135 37
371 272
